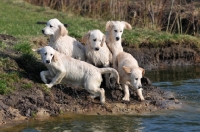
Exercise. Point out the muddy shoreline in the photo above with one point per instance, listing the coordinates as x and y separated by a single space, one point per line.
39 102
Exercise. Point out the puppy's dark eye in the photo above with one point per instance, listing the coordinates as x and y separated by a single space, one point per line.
120 31
94 39
115 30
136 78
51 54
51 26
45 53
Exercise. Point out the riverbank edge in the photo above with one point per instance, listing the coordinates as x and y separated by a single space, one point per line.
148 58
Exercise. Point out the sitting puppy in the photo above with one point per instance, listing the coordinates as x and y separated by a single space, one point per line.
97 52
64 69
60 41
114 31
130 74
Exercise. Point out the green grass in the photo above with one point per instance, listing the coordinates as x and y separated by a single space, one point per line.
157 38
23 47
19 66
8 82
19 19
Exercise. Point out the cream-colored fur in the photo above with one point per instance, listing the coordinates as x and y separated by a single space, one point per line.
64 69
130 74
61 41
97 52
114 31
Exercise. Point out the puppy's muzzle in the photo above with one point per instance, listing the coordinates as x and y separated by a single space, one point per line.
117 38
96 49
48 61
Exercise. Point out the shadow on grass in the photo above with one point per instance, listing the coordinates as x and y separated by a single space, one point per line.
30 66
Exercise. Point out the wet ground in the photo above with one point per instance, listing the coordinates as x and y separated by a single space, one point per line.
36 102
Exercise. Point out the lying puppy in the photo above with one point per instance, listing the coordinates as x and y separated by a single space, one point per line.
61 42
64 69
97 52
114 31
130 74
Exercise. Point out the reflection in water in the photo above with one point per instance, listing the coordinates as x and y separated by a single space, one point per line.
183 81
174 74
84 123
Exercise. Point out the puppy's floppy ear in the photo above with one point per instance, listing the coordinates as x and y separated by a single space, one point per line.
126 25
55 56
63 30
143 71
86 37
37 50
127 69
109 25
103 40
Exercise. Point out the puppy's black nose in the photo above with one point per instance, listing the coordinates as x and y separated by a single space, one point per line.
96 49
43 31
117 38
48 61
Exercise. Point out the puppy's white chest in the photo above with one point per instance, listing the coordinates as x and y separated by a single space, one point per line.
99 58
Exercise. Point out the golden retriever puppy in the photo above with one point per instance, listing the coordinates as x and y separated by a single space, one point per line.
130 74
114 31
65 69
97 52
61 41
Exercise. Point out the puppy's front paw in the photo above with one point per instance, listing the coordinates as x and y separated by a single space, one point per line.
125 99
142 98
139 92
49 85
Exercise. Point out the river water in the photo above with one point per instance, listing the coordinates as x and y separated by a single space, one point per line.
183 81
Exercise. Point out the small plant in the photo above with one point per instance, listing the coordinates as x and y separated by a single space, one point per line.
3 87
27 85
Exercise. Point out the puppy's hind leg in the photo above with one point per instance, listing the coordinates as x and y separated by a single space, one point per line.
95 91
98 92
102 95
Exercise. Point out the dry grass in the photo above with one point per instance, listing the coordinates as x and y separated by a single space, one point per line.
174 16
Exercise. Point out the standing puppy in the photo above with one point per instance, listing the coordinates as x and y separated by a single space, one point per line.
114 31
97 52
64 69
60 41
130 74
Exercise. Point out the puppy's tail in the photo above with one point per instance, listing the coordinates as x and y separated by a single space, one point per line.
113 72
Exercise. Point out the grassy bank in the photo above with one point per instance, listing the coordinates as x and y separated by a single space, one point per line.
19 67
19 19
